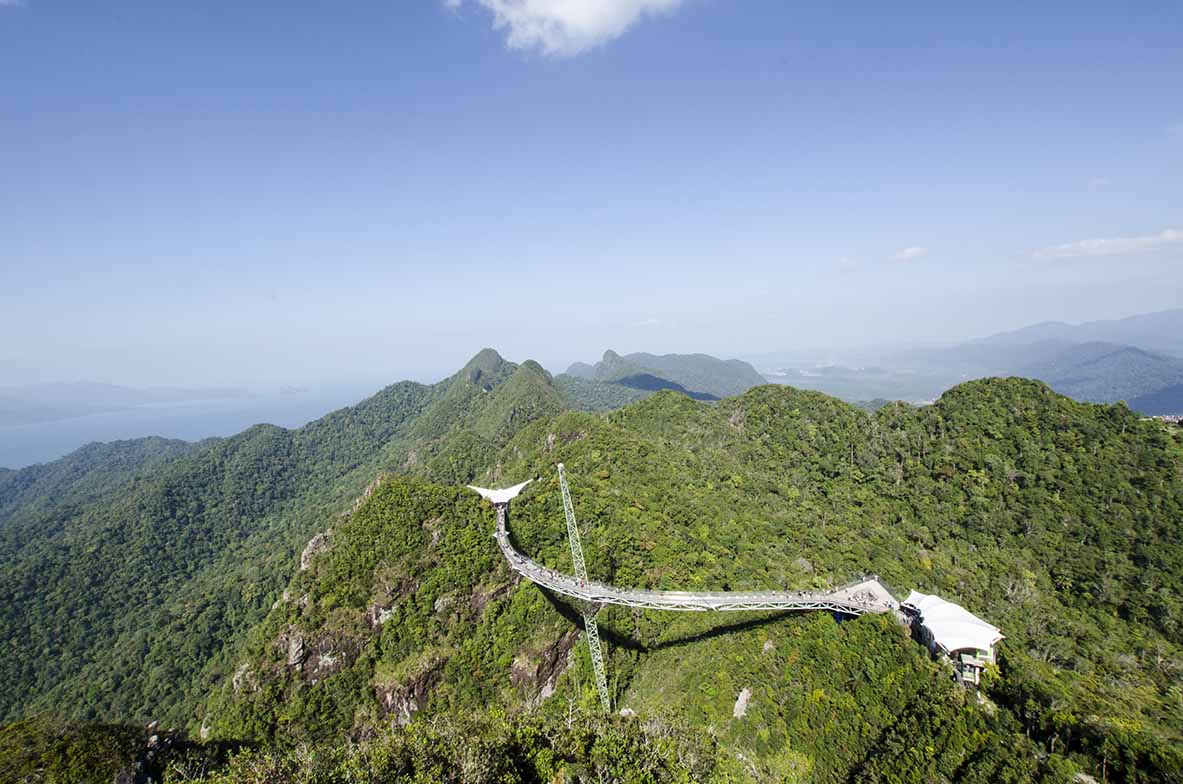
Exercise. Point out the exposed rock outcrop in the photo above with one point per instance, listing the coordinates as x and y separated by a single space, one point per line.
318 657
291 643
480 598
316 544
741 704
537 672
401 700
377 615
244 678
319 665
374 485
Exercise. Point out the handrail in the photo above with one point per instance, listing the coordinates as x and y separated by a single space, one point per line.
863 596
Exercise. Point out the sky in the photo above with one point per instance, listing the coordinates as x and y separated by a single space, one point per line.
264 193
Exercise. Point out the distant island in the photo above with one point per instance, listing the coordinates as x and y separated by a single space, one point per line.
32 403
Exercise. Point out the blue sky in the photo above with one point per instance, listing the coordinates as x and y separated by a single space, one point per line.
260 192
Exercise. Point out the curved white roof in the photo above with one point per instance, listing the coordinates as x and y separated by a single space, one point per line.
501 496
952 626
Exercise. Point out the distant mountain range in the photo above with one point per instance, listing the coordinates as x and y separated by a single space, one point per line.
1160 332
1107 372
618 380
1136 360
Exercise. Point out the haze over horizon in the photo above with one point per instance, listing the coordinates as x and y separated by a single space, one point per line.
203 195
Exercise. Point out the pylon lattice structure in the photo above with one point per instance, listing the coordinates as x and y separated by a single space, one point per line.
588 609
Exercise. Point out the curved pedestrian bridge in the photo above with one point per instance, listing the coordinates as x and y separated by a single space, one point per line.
862 596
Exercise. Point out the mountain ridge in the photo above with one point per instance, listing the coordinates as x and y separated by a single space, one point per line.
264 492
301 586
1160 331
1105 361
618 380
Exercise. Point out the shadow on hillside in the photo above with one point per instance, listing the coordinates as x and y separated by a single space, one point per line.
725 629
573 615
614 638
647 382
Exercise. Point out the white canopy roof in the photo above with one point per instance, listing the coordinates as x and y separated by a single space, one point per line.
952 626
502 496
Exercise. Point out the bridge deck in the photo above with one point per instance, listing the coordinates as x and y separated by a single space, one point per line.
867 595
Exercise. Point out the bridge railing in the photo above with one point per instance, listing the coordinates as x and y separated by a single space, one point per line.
603 593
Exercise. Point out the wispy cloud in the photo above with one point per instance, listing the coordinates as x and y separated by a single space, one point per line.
1097 183
649 322
907 254
11 3
1114 246
565 27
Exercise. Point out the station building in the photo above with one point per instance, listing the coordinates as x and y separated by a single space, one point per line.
954 632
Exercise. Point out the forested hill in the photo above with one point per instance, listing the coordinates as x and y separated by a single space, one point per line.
119 601
617 380
1056 520
266 589
83 474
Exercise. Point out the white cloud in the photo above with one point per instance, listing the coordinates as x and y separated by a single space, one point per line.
649 322
1115 246
907 254
565 27
11 3
1097 183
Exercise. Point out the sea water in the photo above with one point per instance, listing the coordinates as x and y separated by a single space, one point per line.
189 420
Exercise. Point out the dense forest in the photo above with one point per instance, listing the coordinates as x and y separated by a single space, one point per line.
83 475
121 605
327 604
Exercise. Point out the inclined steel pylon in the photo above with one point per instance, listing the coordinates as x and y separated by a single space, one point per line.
590 627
